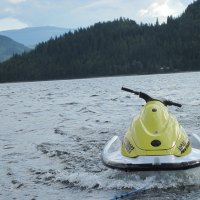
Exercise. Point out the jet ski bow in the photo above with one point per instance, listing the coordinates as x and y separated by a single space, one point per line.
154 141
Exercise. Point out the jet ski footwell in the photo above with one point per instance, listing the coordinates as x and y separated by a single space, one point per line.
112 157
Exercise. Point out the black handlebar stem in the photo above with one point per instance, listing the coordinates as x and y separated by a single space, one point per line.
146 97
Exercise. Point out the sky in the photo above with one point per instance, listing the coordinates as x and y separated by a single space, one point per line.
17 14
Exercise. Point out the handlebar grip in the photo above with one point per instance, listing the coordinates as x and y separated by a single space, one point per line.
177 104
131 91
171 103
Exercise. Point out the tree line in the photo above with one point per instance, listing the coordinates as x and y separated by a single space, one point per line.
118 47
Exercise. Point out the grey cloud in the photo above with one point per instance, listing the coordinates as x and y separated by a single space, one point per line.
78 13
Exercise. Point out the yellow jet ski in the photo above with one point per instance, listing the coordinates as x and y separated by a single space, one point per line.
154 141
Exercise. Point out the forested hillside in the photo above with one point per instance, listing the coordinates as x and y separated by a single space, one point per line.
113 48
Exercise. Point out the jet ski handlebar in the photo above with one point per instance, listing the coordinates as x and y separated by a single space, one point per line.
147 98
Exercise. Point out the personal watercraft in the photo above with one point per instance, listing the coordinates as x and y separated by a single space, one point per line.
154 141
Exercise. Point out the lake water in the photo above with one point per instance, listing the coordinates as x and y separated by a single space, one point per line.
52 134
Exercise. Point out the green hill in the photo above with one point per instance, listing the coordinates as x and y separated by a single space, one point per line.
8 47
113 48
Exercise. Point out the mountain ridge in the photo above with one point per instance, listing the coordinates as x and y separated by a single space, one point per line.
9 47
31 36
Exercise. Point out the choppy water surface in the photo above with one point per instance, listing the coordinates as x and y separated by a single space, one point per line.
52 134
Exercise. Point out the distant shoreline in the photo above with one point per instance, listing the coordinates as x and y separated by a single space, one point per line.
95 77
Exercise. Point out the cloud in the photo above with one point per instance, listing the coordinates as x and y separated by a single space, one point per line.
16 1
81 13
105 10
11 23
145 11
100 4
162 8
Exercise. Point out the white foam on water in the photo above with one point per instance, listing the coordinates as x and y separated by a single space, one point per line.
114 179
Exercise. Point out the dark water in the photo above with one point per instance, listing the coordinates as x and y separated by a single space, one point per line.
52 134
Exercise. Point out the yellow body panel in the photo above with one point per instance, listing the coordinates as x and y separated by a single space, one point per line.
155 125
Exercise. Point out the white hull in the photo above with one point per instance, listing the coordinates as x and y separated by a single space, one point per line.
112 157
